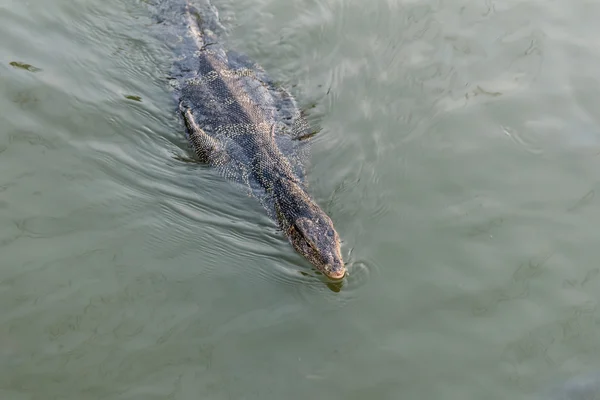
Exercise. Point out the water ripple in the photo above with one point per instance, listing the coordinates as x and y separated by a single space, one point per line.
523 140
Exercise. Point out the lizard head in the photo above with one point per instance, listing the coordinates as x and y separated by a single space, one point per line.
315 238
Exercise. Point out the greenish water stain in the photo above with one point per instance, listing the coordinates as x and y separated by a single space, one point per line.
134 98
25 66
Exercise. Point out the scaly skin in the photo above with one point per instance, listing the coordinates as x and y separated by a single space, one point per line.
237 120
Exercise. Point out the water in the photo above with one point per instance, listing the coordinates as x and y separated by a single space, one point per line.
458 157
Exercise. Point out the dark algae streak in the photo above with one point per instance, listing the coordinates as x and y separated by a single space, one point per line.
239 121
25 66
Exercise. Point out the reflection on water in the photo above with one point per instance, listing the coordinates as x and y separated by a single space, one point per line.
581 387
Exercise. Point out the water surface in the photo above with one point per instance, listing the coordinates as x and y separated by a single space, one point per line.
458 157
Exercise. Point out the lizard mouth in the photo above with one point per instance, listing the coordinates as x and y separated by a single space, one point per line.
336 274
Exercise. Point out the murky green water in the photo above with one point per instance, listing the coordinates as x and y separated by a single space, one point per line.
458 157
